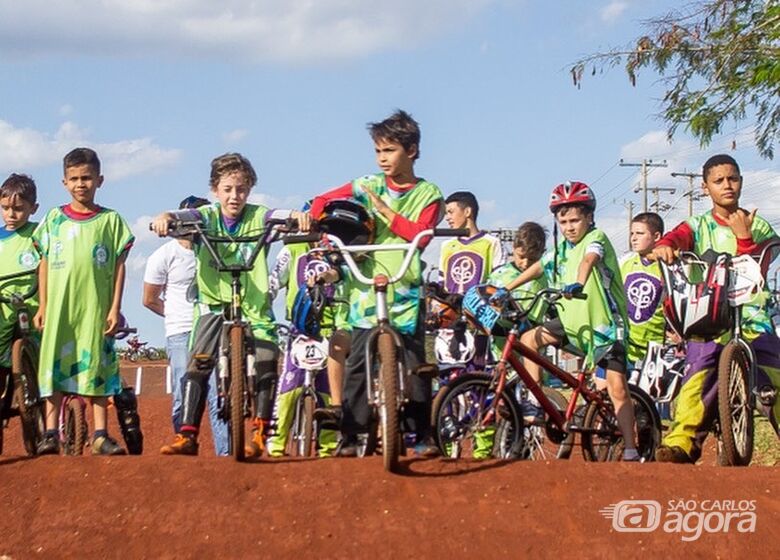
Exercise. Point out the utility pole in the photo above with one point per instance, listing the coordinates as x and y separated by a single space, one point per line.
644 164
628 205
656 190
689 194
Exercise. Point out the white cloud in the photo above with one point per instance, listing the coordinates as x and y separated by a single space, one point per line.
299 30
235 136
612 11
141 231
66 110
26 148
284 202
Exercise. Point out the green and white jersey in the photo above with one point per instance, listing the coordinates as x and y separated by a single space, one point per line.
17 254
294 265
595 324
215 288
404 296
709 234
503 275
81 255
468 261
643 283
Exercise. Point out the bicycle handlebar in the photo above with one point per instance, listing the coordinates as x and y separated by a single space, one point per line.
11 299
550 295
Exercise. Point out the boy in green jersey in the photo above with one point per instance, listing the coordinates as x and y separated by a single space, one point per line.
232 179
403 205
83 248
727 228
644 287
585 262
18 201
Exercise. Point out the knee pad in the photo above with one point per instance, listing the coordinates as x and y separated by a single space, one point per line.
126 406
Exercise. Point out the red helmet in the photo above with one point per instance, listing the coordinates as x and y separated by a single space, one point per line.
572 192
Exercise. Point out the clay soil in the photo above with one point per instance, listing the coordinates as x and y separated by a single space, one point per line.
152 506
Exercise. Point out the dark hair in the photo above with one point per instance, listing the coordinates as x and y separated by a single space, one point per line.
465 199
532 238
583 208
19 185
193 202
231 163
719 159
82 156
399 127
652 220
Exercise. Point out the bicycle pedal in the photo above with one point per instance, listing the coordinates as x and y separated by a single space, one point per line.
426 370
766 394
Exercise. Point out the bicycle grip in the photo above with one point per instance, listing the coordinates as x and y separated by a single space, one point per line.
579 295
451 232
302 238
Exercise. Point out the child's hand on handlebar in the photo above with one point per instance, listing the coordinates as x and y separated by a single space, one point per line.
328 277
570 290
499 297
662 253
304 220
161 224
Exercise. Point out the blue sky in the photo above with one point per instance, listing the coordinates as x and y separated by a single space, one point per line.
159 88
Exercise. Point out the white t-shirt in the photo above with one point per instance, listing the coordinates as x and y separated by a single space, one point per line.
173 267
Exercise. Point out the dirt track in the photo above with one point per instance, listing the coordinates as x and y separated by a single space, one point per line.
154 506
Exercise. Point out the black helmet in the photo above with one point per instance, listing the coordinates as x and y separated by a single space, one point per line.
193 202
347 220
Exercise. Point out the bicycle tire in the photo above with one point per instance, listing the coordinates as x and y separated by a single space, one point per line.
735 407
460 419
75 428
438 398
551 442
237 366
306 444
388 401
597 448
24 364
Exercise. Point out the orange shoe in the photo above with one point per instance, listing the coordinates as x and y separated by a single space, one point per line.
182 445
256 445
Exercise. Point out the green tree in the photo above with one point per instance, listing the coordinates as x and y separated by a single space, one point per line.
719 62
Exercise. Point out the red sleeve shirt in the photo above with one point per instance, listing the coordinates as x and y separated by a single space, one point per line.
682 239
400 226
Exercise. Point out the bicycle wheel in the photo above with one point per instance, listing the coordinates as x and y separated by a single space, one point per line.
237 365
471 424
75 428
301 433
438 398
388 401
601 438
548 441
24 364
735 406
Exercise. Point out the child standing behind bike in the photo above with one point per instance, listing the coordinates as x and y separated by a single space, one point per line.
403 205
232 179
584 262
18 201
727 228
83 248
644 287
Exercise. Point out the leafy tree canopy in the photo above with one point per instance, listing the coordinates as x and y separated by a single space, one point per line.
719 61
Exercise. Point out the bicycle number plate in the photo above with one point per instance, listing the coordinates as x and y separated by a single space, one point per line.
746 280
309 353
480 309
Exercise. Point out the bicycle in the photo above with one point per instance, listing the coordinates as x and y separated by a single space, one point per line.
739 279
483 406
386 371
236 357
20 395
311 356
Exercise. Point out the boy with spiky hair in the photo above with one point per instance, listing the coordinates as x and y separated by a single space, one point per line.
727 228
83 248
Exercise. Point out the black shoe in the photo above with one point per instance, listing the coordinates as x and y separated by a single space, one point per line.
673 454
328 417
105 445
347 447
426 448
49 445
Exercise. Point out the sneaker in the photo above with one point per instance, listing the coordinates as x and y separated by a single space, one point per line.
631 456
329 417
347 447
105 445
256 445
533 414
426 448
49 445
673 454
182 445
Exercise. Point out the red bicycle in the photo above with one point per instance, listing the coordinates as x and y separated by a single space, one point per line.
481 409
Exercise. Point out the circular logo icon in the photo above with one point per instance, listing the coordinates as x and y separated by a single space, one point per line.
28 259
643 293
100 254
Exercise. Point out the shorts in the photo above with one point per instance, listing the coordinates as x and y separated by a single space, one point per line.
614 359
